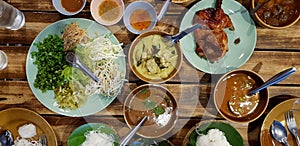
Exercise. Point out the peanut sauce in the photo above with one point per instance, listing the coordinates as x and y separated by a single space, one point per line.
235 96
72 5
140 19
109 10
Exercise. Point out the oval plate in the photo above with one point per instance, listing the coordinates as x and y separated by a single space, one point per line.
94 103
277 113
231 134
77 136
238 54
13 118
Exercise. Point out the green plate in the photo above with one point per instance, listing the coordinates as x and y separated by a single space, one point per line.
77 136
94 103
232 135
238 54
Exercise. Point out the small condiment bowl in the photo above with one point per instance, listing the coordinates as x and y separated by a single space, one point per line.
146 14
137 104
3 60
59 7
111 11
142 75
272 4
234 86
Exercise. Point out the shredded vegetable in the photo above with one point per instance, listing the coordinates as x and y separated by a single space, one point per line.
104 57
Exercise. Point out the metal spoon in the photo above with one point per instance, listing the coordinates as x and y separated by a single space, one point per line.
275 79
258 6
278 132
171 40
127 138
74 61
6 138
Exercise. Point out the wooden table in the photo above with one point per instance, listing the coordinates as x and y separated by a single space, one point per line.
275 50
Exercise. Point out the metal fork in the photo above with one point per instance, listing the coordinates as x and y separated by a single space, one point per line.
43 140
291 124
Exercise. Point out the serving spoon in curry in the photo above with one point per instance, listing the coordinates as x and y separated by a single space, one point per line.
172 39
275 79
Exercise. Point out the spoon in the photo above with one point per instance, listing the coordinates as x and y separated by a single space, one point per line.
258 6
74 61
127 138
275 79
278 132
171 40
6 138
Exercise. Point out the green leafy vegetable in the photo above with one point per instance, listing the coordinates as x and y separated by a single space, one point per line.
50 61
151 105
158 110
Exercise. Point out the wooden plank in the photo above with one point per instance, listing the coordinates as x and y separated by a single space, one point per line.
275 61
193 100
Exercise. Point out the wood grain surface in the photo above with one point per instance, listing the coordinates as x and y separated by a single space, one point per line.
275 51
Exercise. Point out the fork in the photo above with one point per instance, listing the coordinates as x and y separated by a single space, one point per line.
291 124
43 140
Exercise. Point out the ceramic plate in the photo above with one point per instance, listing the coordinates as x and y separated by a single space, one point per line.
277 113
77 136
94 103
231 134
238 54
13 118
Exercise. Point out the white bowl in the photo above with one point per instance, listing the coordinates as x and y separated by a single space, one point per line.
136 6
58 6
3 60
95 11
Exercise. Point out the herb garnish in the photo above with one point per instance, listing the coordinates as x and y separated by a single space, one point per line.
151 105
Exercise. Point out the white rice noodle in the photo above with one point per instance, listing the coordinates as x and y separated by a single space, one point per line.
104 55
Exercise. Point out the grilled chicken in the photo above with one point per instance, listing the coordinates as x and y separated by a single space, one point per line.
211 40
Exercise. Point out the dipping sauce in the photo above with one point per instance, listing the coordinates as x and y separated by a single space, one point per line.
153 58
72 5
279 12
156 103
109 10
140 19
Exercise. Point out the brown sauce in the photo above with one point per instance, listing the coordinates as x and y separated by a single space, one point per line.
109 10
235 95
72 5
138 110
278 12
135 109
140 19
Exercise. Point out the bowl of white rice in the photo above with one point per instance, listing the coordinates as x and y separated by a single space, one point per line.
93 134
213 133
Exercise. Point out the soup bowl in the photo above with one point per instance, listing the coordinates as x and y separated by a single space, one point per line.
152 60
72 8
232 101
140 16
157 103
107 12
277 14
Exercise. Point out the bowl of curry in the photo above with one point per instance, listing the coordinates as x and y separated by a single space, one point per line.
152 59
232 101
157 103
277 13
